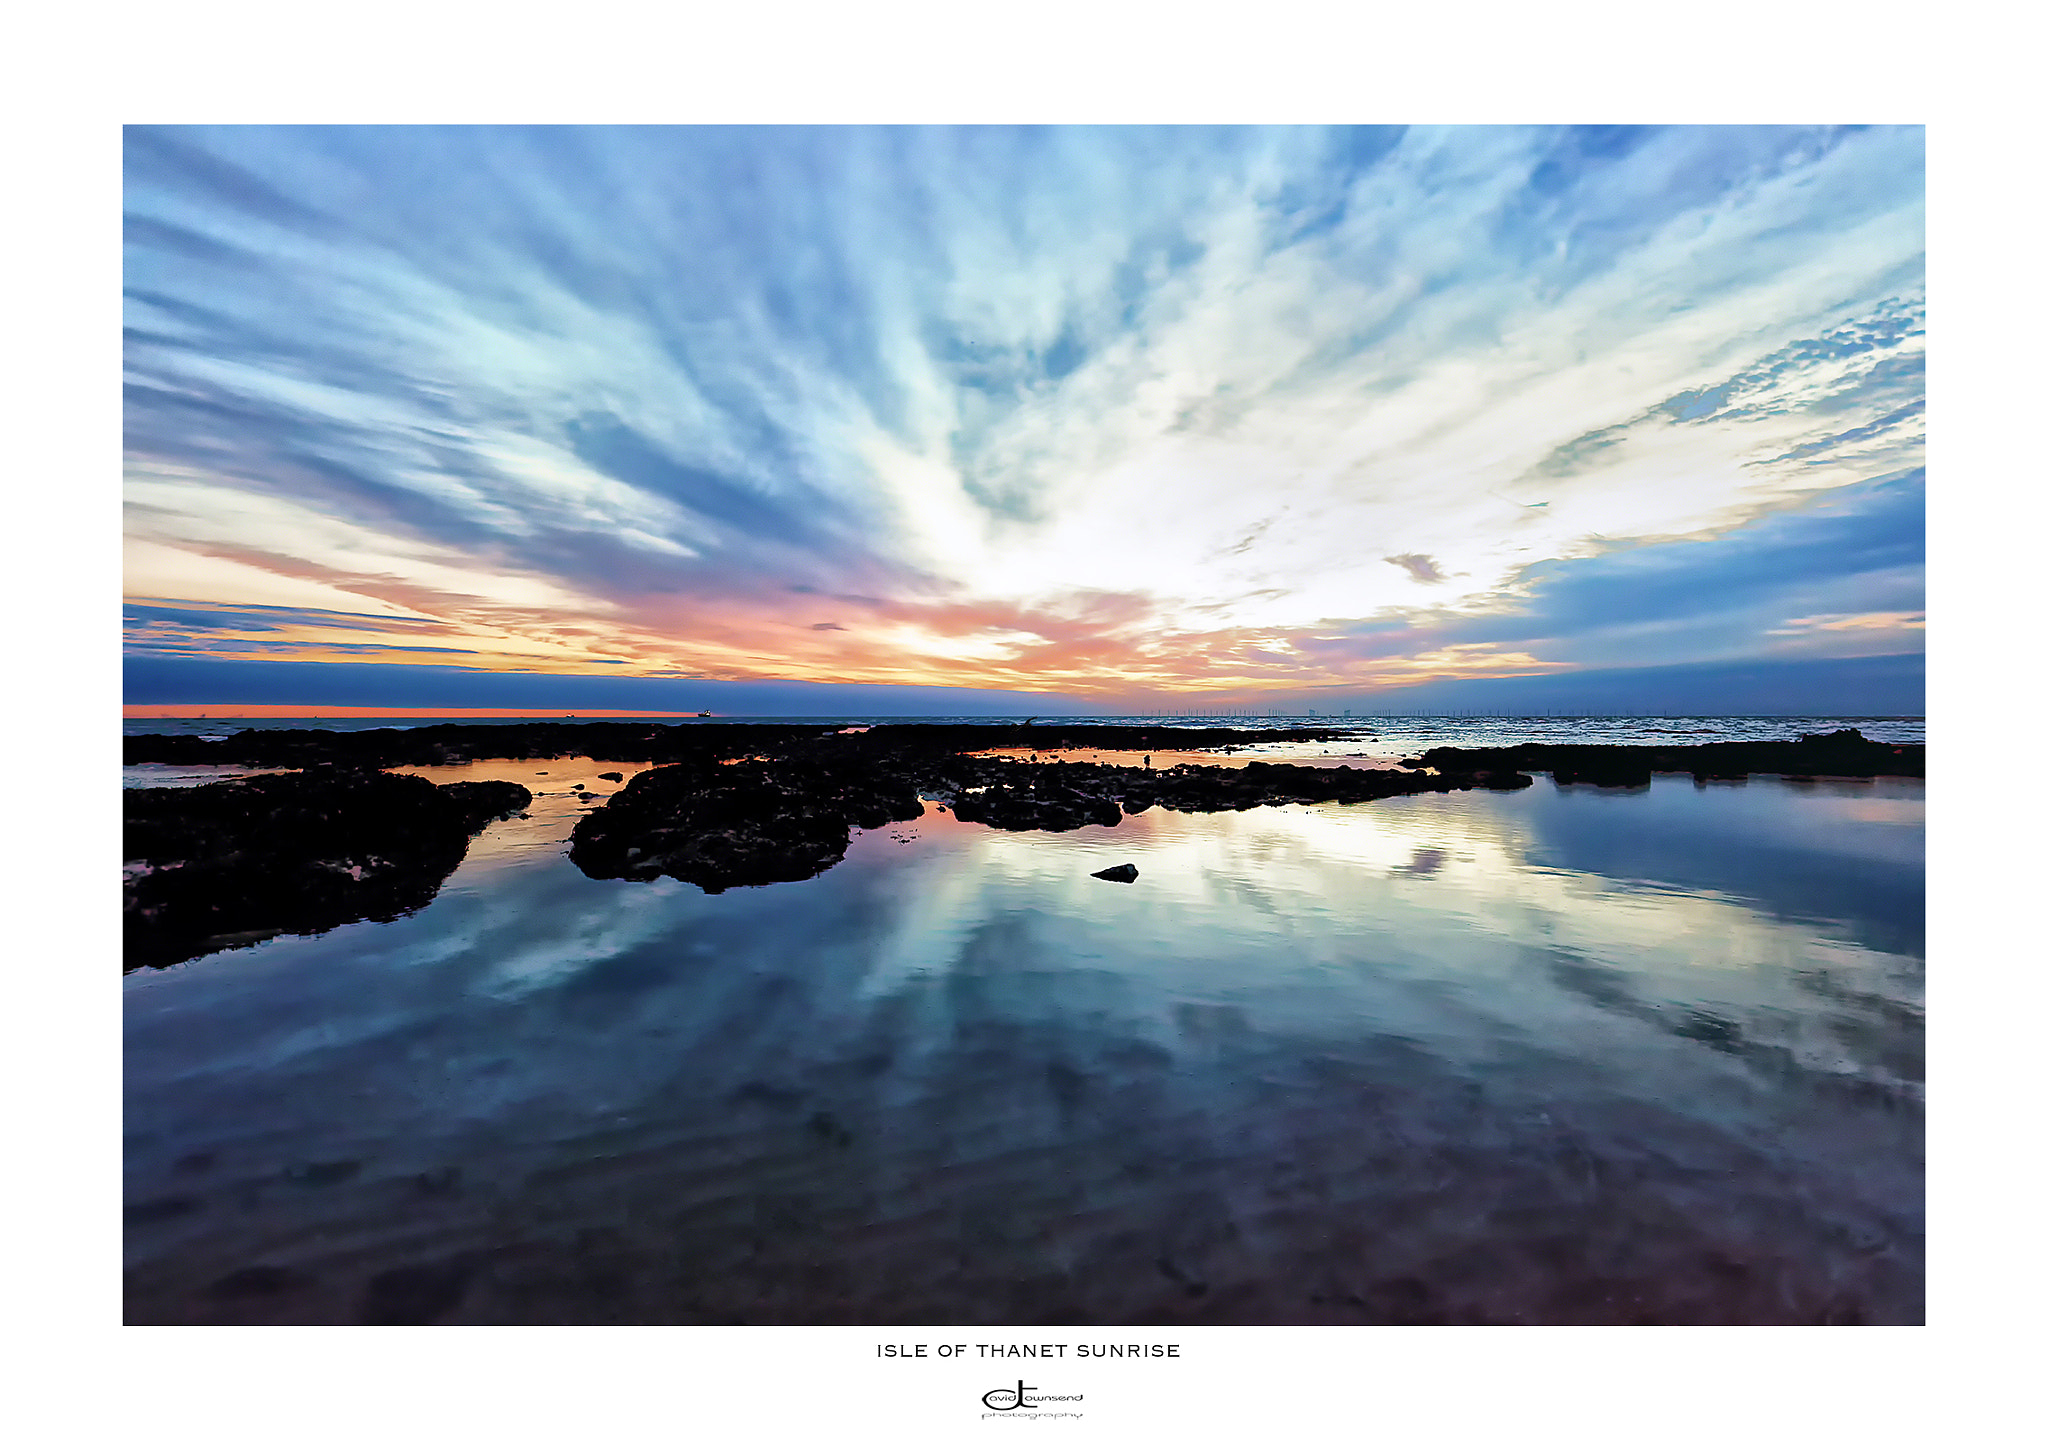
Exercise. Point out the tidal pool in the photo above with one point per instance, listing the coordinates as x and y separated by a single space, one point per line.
1565 1055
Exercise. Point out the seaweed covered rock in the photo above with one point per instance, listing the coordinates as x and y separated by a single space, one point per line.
1212 788
1040 801
697 742
743 823
220 865
454 744
1835 752
732 804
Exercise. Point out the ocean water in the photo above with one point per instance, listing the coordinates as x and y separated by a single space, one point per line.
1564 1055
1401 731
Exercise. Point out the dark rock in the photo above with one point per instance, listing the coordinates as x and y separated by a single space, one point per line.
696 741
1039 804
447 744
1125 872
1603 770
1503 779
1836 753
238 861
749 823
745 805
785 812
610 775
484 801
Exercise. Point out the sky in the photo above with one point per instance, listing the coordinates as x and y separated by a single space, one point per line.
1026 419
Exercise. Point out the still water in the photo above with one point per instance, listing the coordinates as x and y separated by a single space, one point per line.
1567 1055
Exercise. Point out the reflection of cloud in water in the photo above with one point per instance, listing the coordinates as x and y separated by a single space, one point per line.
580 937
1426 917
1337 1063
1427 862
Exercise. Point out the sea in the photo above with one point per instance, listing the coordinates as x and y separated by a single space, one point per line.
1563 1055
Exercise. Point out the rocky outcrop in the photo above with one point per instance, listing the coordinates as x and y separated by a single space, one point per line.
1041 802
755 820
747 823
1835 753
221 865
698 741
1210 788
746 805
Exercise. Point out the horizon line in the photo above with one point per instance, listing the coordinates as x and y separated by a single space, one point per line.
486 712
384 712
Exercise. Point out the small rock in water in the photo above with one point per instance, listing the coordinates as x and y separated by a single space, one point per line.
1125 872
611 775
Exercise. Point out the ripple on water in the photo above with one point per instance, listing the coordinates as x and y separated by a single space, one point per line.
1540 1057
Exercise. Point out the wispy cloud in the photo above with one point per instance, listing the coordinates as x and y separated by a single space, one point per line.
1109 410
1421 568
